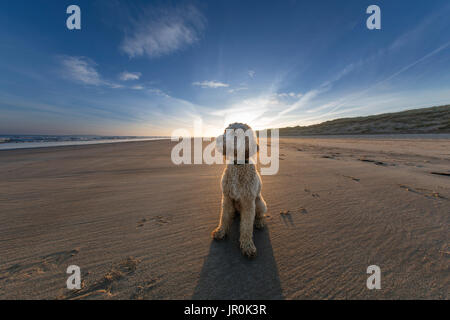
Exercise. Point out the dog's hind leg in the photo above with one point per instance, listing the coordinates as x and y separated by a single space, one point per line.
226 218
247 219
260 209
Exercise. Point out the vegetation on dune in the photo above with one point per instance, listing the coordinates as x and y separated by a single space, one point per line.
424 120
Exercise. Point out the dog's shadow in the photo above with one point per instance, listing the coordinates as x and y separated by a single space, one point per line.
228 275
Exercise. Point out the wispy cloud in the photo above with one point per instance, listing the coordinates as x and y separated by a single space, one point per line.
81 69
159 32
358 96
289 95
211 84
409 66
127 76
422 28
237 89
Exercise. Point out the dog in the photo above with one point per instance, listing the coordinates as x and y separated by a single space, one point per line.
241 186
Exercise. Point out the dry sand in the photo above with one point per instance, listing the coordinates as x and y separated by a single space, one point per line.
139 226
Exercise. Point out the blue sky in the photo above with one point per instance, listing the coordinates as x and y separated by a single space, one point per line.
149 67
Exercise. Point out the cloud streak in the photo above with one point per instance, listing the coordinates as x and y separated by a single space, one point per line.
159 32
237 89
127 76
211 84
81 69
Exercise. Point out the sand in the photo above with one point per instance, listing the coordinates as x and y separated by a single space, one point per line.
139 226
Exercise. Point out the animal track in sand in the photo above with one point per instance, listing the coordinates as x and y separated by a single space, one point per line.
332 155
313 194
286 215
287 218
430 194
141 223
350 177
289 212
142 291
160 220
47 263
103 286
378 163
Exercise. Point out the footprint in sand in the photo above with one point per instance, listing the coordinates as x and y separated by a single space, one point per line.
332 155
160 220
313 194
287 218
289 212
103 287
143 290
430 194
353 178
286 215
46 263
378 163
141 223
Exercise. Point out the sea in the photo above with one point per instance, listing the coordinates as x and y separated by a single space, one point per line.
8 142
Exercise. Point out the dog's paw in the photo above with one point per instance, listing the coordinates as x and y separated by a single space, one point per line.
248 249
218 233
259 223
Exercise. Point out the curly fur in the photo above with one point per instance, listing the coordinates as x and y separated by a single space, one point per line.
241 191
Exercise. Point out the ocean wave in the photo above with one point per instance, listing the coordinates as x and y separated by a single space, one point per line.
8 142
48 138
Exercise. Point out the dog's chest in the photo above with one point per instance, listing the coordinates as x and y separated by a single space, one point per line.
238 183
234 187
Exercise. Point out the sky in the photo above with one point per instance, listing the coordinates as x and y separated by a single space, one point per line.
148 68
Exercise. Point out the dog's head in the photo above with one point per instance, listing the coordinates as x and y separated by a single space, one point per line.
237 143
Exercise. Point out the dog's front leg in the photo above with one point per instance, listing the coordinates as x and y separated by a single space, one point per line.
226 218
247 219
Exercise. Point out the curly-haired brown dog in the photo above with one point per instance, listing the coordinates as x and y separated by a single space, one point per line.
241 187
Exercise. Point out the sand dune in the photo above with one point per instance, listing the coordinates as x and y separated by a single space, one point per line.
423 120
139 226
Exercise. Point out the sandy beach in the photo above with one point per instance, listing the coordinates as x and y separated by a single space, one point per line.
139 226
